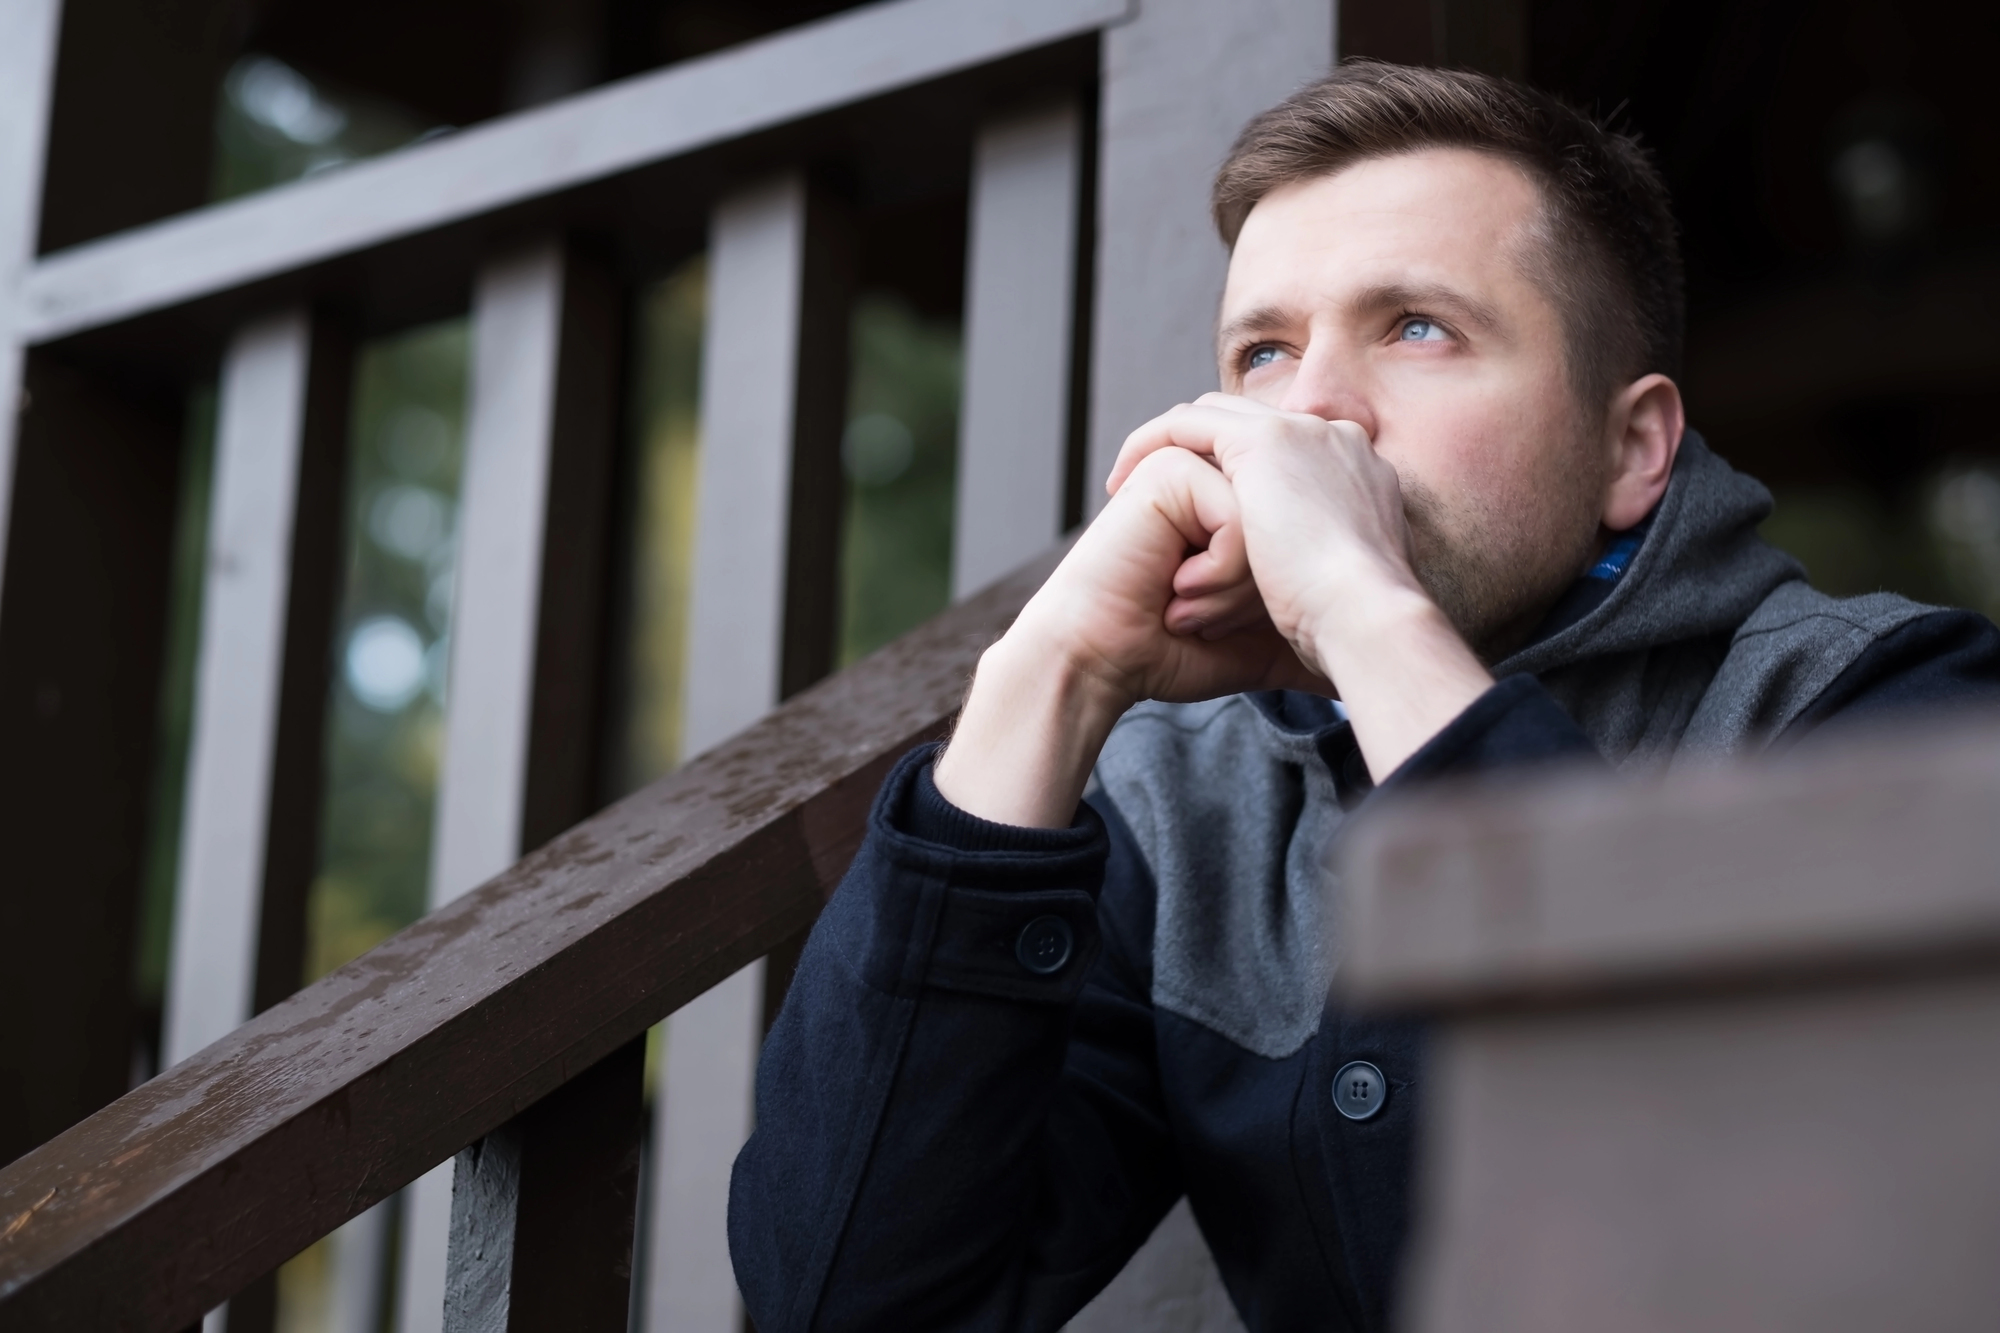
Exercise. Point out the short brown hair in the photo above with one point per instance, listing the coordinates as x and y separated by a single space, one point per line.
1611 259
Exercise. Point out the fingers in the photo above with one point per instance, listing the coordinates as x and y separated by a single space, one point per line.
1189 426
1223 563
1254 658
1200 504
1214 593
1208 425
1186 427
1216 615
1206 589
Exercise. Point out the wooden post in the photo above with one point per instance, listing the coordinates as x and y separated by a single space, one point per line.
28 31
82 639
250 829
518 754
1020 310
1159 270
761 626
542 1210
1159 265
249 840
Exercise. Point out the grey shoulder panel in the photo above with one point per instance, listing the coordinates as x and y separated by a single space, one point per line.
1784 656
1233 816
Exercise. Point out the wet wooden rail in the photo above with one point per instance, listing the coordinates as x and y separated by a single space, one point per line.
181 1193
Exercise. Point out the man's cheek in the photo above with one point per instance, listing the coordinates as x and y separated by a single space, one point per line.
1270 386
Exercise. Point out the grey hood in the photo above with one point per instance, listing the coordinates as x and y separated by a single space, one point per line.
1700 572
1633 671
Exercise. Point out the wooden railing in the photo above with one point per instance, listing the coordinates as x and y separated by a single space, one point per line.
1721 1052
511 1020
1090 280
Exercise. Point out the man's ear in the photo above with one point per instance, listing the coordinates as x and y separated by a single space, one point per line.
1644 434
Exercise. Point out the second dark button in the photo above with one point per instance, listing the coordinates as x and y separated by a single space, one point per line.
1359 1090
1044 945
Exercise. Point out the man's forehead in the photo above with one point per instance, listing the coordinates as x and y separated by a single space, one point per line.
1451 186
1439 219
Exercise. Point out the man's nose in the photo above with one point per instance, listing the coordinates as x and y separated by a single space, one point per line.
1326 387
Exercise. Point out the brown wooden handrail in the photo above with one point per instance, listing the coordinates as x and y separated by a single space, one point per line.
176 1196
1712 1051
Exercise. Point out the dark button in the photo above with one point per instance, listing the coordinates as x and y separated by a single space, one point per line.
1359 1090
1045 945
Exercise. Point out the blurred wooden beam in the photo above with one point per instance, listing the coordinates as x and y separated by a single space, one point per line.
1711 1052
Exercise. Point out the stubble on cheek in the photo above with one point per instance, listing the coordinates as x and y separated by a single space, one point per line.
1495 570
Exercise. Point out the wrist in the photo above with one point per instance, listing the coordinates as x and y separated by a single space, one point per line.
1028 735
1403 671
1382 621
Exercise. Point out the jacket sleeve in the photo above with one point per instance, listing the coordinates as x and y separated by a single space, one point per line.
1516 724
959 1118
1947 659
1944 660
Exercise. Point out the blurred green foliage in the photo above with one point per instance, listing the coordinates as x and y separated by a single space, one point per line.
384 730
900 457
273 124
1937 541
658 496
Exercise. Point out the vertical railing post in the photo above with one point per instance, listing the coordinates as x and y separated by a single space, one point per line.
518 757
28 31
1020 312
250 825
774 365
1159 273
270 582
1159 265
543 1208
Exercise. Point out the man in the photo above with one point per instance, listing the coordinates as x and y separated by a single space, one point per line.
1446 482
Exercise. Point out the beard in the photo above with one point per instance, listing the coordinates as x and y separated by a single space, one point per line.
1495 570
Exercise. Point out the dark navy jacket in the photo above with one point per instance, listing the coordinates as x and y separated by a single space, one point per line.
947 1140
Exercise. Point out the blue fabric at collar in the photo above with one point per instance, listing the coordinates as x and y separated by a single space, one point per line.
1588 593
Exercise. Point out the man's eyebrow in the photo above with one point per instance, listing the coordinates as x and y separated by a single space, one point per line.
1263 319
1429 296
1386 295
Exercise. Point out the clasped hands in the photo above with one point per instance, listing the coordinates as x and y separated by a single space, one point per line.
1243 548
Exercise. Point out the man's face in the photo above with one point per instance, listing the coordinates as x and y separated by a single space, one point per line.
1394 294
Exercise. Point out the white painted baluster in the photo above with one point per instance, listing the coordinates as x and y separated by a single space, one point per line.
1179 81
360 1264
260 427
756 281
238 679
489 699
1020 306
260 679
27 84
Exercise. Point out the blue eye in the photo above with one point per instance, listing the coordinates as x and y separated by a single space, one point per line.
1421 331
1262 356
